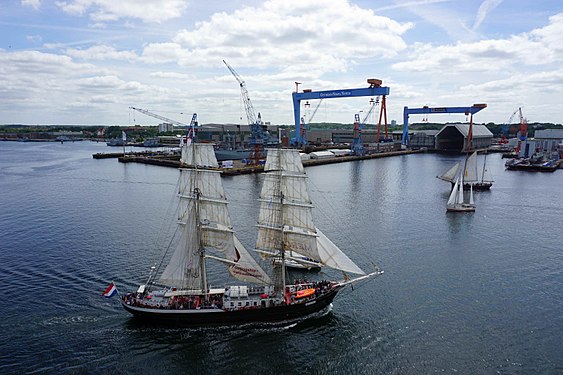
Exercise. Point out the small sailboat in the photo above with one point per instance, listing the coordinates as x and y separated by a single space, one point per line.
456 201
474 178
477 179
182 293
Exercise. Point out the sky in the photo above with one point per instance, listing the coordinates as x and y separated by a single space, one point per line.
87 61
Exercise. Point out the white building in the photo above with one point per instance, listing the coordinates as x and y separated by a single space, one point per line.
546 141
165 127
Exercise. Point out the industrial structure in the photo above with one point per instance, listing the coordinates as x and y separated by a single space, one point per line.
374 89
463 138
190 128
437 110
259 135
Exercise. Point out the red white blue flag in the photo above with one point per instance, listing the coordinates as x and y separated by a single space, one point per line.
110 290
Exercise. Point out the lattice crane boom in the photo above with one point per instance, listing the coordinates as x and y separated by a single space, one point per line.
148 113
253 120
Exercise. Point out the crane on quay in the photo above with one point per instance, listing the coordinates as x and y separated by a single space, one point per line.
357 146
259 136
522 132
190 129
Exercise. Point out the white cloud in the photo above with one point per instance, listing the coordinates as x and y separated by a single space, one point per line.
35 4
539 47
148 11
485 8
101 52
285 33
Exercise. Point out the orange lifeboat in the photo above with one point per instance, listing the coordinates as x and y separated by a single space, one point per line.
305 293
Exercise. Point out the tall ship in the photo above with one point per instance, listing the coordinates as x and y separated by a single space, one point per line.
182 292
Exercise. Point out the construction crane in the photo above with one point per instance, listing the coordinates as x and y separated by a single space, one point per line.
259 136
505 127
305 126
523 131
190 129
357 146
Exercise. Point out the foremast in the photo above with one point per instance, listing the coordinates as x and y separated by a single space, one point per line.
203 219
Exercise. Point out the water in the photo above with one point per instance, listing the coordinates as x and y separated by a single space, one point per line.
467 293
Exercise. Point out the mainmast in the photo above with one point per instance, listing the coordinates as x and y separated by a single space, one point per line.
197 194
282 249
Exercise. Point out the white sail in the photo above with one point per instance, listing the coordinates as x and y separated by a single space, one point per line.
471 201
459 199
283 159
450 174
285 220
454 193
330 255
486 175
183 269
199 155
204 222
246 268
471 175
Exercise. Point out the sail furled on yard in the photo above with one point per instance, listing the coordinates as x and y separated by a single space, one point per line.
285 219
203 218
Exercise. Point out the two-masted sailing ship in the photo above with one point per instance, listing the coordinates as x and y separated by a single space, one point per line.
182 292
475 177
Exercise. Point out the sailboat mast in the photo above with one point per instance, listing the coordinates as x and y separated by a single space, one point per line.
201 249
483 171
203 271
282 250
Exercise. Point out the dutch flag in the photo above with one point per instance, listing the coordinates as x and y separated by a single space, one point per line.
110 290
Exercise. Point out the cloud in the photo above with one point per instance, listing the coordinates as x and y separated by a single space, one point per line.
485 8
495 55
149 11
35 4
101 52
285 33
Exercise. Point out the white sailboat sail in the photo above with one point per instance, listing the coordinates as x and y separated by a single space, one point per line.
459 199
286 210
450 174
454 194
486 175
471 201
470 174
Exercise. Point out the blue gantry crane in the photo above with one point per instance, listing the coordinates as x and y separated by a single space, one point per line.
374 89
436 110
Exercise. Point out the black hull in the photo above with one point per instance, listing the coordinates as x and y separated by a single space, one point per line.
479 186
532 168
215 317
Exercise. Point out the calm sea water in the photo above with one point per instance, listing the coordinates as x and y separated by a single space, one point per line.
470 293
